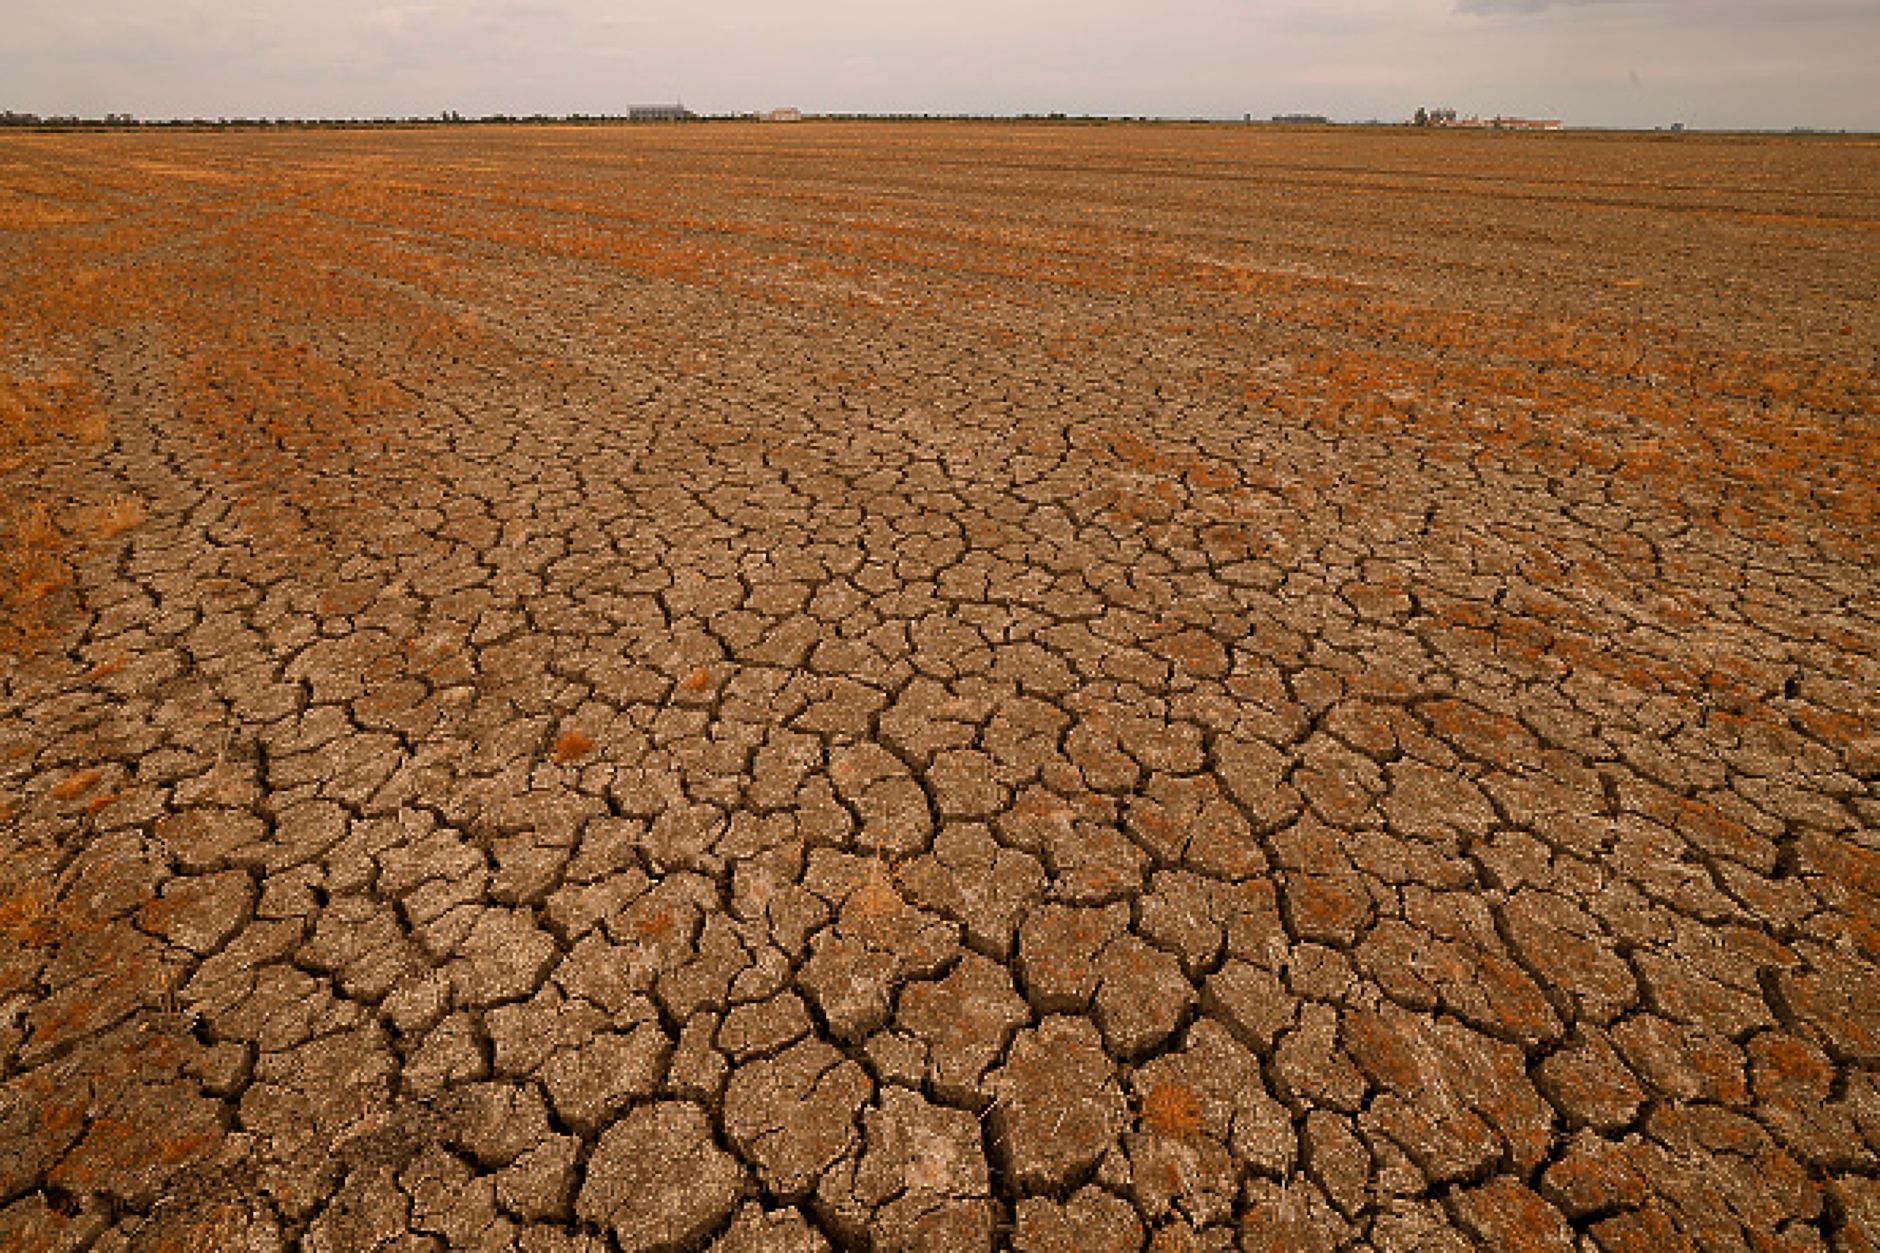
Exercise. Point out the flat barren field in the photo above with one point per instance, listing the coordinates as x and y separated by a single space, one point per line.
942 686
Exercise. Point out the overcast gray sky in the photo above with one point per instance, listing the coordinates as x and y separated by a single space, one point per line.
1708 63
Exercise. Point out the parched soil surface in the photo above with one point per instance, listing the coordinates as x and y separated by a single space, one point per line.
939 686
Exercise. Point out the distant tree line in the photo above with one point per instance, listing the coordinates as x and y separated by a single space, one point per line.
10 118
449 117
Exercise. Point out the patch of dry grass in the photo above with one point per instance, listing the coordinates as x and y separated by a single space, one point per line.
572 745
32 571
115 515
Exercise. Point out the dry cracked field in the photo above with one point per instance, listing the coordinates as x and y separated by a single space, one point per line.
940 687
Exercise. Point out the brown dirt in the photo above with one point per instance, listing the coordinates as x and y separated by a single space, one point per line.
985 685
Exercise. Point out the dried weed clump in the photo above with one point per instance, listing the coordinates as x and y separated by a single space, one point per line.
116 515
74 786
34 527
32 571
35 558
27 919
1172 1109
572 745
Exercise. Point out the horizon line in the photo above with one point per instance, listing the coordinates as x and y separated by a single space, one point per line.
22 120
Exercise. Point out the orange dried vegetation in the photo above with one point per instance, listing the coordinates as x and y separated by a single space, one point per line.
115 515
572 745
655 924
253 313
1172 1110
76 785
27 918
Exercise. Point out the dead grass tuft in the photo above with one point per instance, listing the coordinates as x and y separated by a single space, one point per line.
105 669
91 426
74 786
31 569
36 529
116 515
655 925
572 746
26 919
1172 1110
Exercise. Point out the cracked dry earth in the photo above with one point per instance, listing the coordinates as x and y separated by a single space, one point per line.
939 687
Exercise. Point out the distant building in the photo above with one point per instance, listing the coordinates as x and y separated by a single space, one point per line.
781 115
658 113
1301 119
